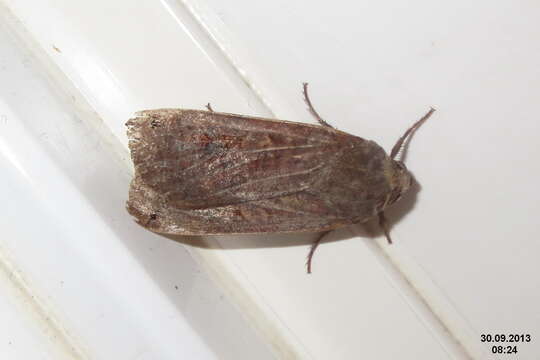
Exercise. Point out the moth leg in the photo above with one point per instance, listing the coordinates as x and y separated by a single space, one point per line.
209 107
384 225
312 250
312 109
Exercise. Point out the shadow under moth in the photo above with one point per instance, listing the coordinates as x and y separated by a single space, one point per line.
209 173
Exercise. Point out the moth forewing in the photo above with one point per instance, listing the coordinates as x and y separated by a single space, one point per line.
211 173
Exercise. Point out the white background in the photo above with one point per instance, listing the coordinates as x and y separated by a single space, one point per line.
464 260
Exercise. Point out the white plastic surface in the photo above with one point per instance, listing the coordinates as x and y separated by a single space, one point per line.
464 259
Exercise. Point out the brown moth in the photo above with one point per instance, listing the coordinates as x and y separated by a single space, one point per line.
203 172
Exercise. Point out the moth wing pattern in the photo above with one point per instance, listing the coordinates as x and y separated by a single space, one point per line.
199 172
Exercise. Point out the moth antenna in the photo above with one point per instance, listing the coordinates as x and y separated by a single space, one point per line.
312 250
400 144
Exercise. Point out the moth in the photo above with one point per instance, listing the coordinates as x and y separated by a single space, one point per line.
204 172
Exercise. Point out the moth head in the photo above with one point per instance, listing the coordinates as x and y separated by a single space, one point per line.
400 181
